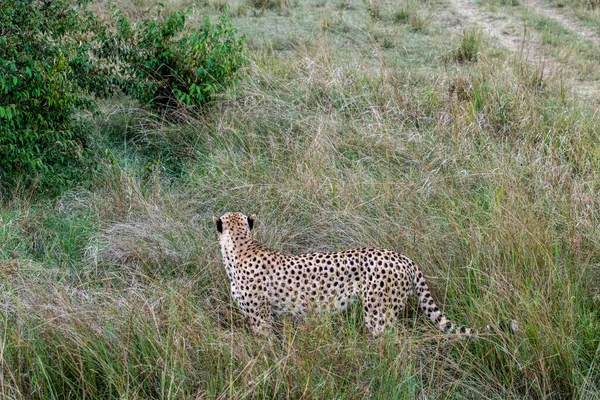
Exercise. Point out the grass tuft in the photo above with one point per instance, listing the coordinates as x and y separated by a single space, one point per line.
374 9
471 43
263 4
411 13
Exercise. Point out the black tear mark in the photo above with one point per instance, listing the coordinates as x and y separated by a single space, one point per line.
219 225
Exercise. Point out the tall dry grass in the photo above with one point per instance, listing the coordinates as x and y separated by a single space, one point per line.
485 174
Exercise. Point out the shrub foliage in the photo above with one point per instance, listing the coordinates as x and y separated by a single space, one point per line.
55 56
43 60
162 64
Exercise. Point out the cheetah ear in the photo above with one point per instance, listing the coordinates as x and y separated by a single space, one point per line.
251 220
219 224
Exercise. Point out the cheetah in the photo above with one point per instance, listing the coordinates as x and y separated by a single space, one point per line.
265 282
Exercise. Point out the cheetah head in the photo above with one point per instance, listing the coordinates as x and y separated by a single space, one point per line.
234 226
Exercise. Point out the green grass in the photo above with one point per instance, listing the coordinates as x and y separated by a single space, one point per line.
485 173
568 47
587 11
555 34
470 46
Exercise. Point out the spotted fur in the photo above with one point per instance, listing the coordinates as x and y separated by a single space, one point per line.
266 282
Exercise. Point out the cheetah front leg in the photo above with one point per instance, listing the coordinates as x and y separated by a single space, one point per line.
375 314
258 312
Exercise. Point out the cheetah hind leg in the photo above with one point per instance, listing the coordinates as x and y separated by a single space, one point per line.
379 313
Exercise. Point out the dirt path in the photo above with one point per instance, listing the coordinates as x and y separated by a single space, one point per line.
511 33
568 22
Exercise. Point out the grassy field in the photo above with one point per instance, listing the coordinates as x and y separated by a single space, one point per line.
403 125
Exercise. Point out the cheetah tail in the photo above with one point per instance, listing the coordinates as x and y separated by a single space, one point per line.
436 316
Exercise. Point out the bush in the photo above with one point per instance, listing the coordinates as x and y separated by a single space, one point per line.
44 67
162 64
55 56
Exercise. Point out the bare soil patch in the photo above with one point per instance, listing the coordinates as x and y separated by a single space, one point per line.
513 35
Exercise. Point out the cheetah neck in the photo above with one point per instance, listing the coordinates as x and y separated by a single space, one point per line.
235 249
